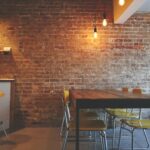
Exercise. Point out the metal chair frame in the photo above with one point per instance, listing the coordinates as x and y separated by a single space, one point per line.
102 133
2 128
114 124
84 115
131 130
125 90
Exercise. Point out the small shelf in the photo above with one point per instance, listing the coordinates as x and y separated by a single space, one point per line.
4 52
6 79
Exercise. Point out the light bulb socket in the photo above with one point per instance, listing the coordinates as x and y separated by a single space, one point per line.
95 29
104 15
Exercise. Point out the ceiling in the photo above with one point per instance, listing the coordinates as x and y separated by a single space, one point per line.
145 7
123 13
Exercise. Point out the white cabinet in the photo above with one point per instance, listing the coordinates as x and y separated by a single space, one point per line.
6 102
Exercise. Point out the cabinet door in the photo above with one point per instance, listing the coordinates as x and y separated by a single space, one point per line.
5 87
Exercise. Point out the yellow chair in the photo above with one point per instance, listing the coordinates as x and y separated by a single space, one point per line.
137 91
135 124
131 126
125 89
1 93
122 113
71 112
85 125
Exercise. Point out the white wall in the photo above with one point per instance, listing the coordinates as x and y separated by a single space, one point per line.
5 103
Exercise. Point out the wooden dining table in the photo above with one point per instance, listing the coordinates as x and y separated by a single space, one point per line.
108 98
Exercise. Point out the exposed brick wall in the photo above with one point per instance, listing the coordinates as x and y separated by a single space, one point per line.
53 48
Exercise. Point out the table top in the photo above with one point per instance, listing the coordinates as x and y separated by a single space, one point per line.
84 98
105 95
90 94
96 94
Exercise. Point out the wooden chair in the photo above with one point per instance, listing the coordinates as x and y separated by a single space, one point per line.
85 125
83 115
125 89
135 124
122 113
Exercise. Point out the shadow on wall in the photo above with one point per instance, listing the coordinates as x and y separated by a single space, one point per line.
12 142
7 66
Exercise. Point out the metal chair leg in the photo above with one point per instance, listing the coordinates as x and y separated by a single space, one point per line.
132 144
2 128
65 140
132 137
95 136
114 133
101 140
146 138
62 124
90 134
105 117
120 134
105 140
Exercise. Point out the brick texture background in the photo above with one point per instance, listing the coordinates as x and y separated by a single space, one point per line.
53 48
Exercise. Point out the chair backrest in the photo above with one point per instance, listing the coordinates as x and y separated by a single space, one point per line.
66 96
136 91
66 104
125 89
67 114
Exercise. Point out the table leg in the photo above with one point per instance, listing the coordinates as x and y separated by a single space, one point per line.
77 126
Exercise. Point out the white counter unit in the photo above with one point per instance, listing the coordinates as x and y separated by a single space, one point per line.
6 102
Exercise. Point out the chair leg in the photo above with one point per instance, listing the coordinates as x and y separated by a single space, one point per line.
95 136
101 139
146 138
65 140
105 140
2 128
114 133
90 134
120 134
62 125
132 141
105 117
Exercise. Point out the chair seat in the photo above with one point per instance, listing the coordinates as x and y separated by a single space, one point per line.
142 124
88 125
120 113
115 109
87 115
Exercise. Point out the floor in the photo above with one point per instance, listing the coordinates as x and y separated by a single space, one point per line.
32 139
49 139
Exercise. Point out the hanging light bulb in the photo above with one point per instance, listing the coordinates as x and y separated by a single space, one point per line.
95 32
104 20
121 2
